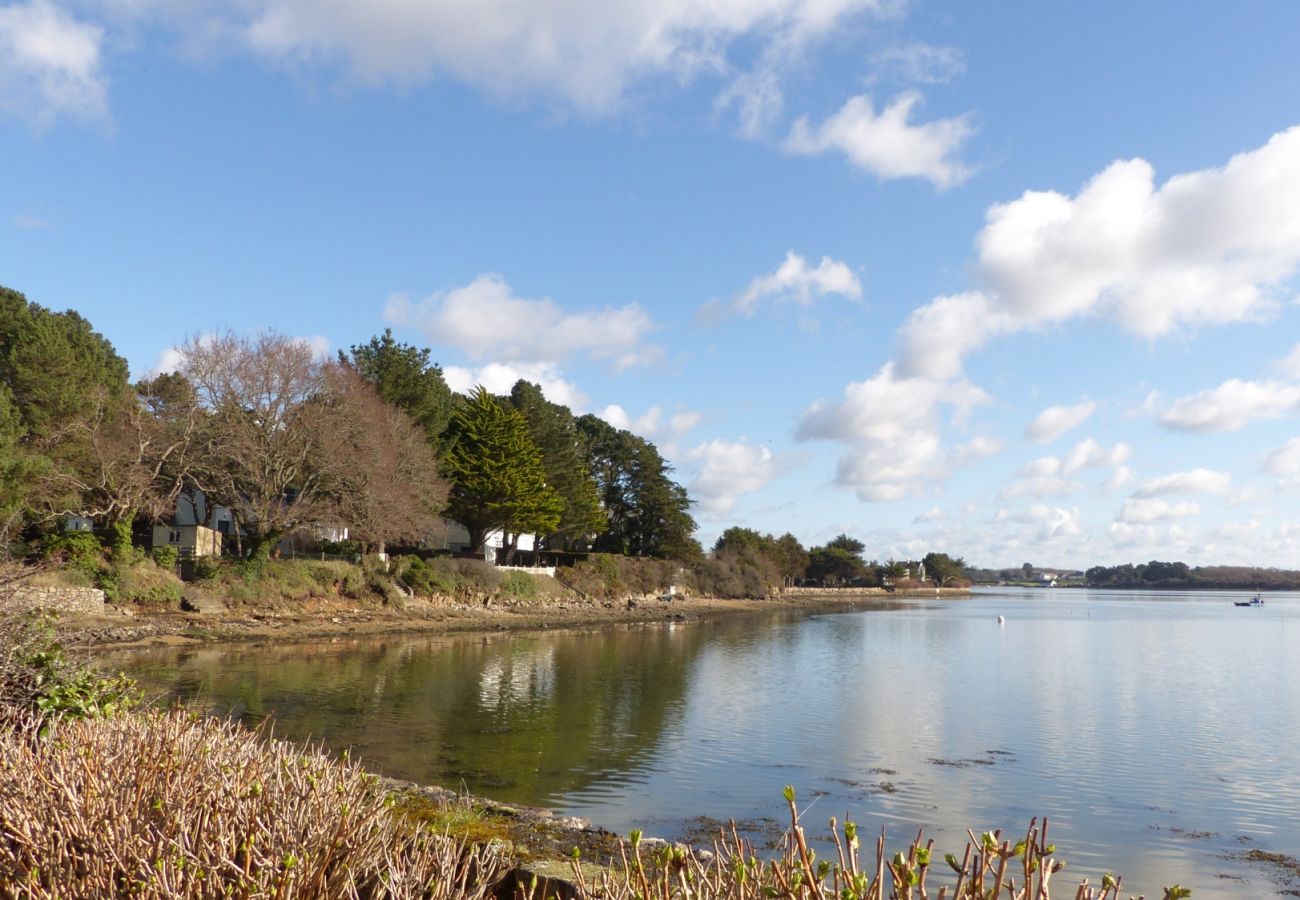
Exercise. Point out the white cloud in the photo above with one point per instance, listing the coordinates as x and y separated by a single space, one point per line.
933 514
796 281
50 65
886 144
1290 366
891 425
317 344
1088 454
1195 481
918 63
1146 511
651 424
499 378
937 337
589 55
1040 486
1205 247
1232 406
1055 421
1121 478
727 471
1284 462
1047 522
485 319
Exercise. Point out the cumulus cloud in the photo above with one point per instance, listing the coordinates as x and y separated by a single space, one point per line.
1121 478
892 426
1284 462
1232 406
1146 511
50 65
499 378
1088 454
1206 247
1196 481
1046 522
727 470
485 319
887 144
933 514
586 55
651 424
797 282
1055 421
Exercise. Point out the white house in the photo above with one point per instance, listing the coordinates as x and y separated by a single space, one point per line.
455 537
194 512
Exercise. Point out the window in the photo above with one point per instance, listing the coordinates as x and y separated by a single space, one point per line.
173 535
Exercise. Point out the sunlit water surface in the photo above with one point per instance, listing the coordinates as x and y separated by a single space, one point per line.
1160 732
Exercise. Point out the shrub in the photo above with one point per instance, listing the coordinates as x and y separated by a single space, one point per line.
157 805
519 585
147 584
206 568
166 556
349 549
38 680
991 866
79 550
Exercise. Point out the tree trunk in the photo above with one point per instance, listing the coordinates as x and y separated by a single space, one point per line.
511 541
263 545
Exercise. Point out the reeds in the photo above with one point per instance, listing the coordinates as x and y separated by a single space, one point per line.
155 805
991 868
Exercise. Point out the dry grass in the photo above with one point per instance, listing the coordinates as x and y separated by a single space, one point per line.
990 869
160 805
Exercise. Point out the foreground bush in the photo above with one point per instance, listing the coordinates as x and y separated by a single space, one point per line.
157 805
990 869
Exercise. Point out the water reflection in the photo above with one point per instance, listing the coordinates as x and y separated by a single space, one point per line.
1160 733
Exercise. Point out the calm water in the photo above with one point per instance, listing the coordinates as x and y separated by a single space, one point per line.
1160 732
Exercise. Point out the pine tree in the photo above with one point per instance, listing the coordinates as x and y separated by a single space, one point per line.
497 477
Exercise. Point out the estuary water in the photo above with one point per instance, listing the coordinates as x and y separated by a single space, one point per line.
1159 732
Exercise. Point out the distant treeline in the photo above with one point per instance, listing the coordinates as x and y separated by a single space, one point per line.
1180 576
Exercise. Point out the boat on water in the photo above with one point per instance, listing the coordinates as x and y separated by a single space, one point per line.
1256 600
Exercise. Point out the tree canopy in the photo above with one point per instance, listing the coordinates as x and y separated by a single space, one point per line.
406 378
498 479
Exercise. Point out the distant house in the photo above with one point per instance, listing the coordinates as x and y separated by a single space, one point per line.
190 541
455 537
194 516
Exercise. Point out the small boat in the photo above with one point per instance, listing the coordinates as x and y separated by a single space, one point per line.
1256 600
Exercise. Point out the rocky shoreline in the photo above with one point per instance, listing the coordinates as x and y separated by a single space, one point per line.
206 621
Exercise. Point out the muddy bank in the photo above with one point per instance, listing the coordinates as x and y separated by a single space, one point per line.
140 626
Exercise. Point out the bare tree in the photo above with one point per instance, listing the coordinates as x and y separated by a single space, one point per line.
382 469
119 462
257 449
289 441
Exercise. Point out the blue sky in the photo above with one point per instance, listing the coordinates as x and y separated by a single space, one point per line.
1013 281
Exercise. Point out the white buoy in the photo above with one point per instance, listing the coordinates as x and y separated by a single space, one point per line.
1001 619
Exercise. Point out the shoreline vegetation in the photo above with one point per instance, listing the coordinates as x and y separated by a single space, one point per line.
103 798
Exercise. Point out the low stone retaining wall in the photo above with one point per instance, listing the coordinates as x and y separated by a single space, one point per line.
73 601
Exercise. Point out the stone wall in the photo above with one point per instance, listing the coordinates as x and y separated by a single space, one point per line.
68 600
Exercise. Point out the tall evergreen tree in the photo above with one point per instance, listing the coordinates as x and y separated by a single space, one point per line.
649 513
553 430
498 480
406 378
